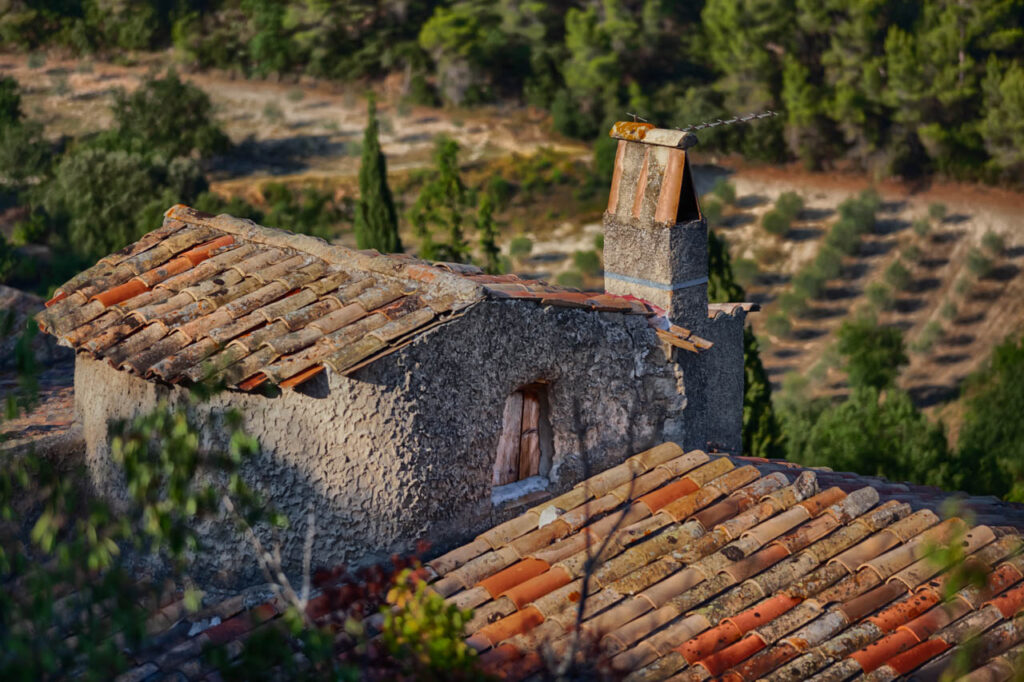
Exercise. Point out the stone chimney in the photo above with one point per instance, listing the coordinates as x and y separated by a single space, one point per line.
655 238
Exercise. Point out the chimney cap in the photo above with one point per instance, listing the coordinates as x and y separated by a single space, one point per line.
636 131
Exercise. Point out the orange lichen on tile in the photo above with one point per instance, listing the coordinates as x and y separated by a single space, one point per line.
630 130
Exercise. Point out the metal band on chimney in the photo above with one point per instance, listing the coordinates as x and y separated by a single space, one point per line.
657 285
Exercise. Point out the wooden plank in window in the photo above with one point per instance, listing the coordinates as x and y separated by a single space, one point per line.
506 466
529 447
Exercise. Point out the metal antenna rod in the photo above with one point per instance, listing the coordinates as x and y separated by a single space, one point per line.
731 121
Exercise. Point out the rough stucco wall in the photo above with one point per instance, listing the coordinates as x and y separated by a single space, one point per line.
715 381
661 253
404 449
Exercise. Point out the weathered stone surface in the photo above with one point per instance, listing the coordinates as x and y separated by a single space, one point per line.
428 418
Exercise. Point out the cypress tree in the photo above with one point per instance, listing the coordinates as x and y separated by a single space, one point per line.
487 229
376 223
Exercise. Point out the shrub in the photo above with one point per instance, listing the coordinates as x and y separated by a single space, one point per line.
828 262
501 191
725 191
424 632
168 116
844 236
769 254
937 212
60 84
296 95
778 324
860 210
36 60
571 279
272 112
927 338
962 285
880 296
101 200
599 241
520 247
789 204
910 252
874 436
712 211
948 310
897 275
793 304
922 227
775 222
605 150
24 153
809 282
978 263
993 243
587 262
7 261
991 439
10 101
745 271
873 354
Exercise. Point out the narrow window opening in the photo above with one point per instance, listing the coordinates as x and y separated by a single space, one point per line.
526 442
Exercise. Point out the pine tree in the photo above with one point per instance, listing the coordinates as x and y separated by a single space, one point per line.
441 204
487 229
376 223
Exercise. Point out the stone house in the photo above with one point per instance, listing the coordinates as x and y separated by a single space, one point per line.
401 399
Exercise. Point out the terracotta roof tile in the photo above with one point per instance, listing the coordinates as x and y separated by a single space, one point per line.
213 296
771 579
762 576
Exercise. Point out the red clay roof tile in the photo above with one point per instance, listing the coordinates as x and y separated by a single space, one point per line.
690 606
217 278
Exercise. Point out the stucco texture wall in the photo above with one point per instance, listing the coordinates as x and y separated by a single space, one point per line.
403 450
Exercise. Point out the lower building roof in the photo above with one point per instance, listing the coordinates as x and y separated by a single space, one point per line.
689 566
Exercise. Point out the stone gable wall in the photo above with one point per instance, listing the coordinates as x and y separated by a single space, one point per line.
404 448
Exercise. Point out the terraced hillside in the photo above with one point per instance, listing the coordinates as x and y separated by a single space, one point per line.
951 282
